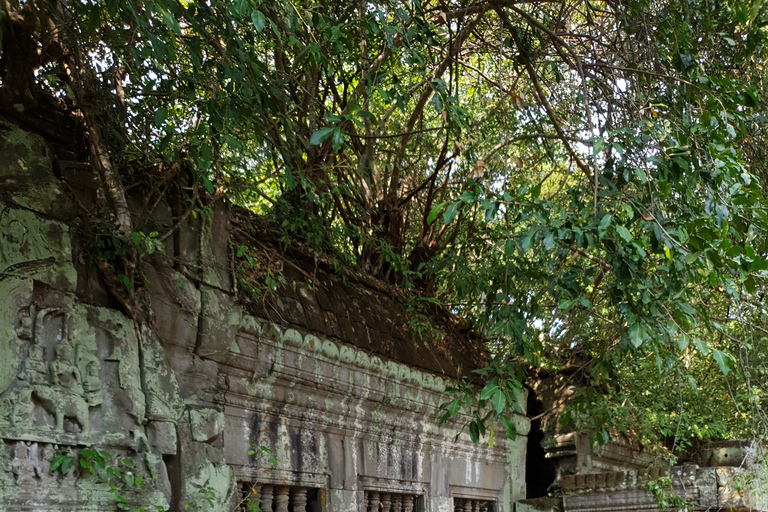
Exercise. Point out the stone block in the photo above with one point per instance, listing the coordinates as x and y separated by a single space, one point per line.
206 424
164 401
216 258
706 483
26 176
162 437
35 248
220 321
175 302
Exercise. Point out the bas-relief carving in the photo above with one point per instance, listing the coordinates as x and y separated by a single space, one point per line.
76 375
163 398
57 381
32 247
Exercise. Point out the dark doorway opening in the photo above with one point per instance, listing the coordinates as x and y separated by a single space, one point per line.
539 471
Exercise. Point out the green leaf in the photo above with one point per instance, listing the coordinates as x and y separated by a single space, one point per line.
208 184
549 241
320 135
435 212
597 146
499 401
126 281
488 390
171 22
258 19
636 334
56 462
467 197
702 346
451 212
474 432
509 248
686 308
509 427
624 233
453 409
490 212
338 139
66 465
437 102
527 241
439 85
161 115
724 361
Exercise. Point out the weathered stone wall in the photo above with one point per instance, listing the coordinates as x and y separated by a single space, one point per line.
702 488
184 398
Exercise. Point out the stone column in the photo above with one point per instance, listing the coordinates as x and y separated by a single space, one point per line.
281 499
386 502
408 502
266 498
299 499
252 493
397 503
373 501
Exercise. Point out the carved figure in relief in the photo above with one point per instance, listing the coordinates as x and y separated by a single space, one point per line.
65 387
92 382
64 397
33 369
24 330
21 407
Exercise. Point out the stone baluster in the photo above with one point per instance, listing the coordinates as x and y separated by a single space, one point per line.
397 503
299 499
373 501
386 502
485 506
468 506
281 499
251 493
458 505
408 502
266 498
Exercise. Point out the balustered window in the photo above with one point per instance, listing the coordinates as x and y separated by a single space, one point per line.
281 498
473 505
376 501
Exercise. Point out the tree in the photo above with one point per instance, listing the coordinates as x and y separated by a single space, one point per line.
579 179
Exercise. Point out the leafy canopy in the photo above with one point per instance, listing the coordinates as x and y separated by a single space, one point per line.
579 179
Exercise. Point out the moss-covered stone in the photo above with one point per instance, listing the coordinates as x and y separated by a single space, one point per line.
26 177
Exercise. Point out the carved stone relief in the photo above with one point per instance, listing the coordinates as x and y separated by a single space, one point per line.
57 381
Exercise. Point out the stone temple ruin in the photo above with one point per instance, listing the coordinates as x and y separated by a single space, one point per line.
314 399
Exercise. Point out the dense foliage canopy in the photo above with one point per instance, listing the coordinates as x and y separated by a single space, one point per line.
579 179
